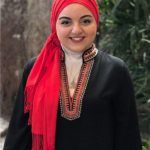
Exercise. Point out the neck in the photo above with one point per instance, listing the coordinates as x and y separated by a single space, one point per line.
72 53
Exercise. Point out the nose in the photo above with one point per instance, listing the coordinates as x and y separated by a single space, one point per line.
76 29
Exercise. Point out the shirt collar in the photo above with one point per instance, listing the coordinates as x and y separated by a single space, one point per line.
86 55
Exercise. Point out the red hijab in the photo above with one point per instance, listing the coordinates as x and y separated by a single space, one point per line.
43 84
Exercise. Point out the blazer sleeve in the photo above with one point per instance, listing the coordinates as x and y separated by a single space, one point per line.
127 134
19 132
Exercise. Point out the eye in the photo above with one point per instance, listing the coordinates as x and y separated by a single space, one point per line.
86 21
65 22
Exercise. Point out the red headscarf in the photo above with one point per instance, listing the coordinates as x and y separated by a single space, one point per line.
43 84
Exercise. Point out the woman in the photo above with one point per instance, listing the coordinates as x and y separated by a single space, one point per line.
74 96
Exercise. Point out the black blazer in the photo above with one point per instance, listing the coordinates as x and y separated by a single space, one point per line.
108 118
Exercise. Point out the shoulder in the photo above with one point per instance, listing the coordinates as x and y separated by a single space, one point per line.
28 66
109 61
26 71
111 66
113 69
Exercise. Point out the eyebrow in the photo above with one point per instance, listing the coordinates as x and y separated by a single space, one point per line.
64 17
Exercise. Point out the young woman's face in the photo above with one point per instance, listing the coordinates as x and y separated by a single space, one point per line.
76 28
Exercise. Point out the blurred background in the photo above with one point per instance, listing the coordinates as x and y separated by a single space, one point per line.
124 31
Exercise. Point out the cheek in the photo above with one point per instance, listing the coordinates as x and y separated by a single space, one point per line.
92 31
61 32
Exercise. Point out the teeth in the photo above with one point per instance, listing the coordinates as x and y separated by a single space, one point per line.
77 39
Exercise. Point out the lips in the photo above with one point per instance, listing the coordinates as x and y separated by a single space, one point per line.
77 39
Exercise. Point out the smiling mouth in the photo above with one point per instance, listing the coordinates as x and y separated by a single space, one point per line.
77 39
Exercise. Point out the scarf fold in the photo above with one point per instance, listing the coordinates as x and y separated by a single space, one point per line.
42 94
43 84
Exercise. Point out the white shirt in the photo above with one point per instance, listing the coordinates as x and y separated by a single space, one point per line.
73 61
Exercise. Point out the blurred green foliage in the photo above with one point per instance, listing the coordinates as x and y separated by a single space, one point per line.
125 32
146 144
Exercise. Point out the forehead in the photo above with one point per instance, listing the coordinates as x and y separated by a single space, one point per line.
75 9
